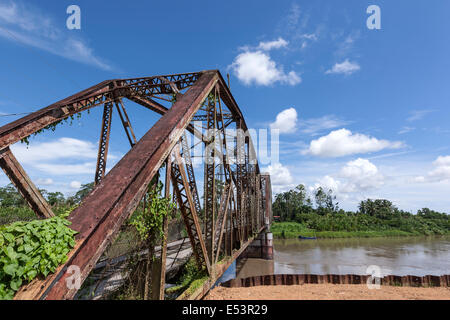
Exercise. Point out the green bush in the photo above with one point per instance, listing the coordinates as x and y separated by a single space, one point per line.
32 249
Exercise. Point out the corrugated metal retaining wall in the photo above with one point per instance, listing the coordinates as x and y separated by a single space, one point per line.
298 279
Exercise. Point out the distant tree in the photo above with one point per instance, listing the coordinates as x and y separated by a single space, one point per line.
431 214
82 193
55 198
10 197
325 201
289 204
379 208
321 197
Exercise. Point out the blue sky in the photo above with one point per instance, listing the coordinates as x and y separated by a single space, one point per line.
364 112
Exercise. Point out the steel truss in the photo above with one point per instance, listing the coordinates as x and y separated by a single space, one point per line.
236 195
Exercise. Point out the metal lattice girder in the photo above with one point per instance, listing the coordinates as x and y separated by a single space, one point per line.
98 219
104 142
189 213
221 128
257 216
267 199
210 176
159 108
190 172
24 185
125 122
221 219
162 278
104 92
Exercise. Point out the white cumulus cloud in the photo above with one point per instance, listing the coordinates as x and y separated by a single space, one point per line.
343 142
257 67
286 121
64 156
441 171
280 177
356 177
345 67
361 175
62 148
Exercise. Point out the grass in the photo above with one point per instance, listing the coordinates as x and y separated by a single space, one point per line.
190 280
290 230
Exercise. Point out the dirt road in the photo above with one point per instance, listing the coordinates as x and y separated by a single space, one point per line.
328 292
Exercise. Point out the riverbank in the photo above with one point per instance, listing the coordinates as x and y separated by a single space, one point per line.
328 292
291 230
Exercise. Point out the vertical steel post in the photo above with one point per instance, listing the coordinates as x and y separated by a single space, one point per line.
210 177
103 143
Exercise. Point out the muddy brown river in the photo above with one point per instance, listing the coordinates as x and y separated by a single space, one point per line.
417 256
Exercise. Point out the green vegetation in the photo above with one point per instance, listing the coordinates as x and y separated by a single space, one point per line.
149 225
191 278
150 220
53 126
322 218
14 208
30 249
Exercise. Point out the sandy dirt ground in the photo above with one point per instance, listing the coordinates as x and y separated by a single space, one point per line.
328 292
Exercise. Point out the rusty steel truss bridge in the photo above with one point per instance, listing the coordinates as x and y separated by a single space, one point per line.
220 224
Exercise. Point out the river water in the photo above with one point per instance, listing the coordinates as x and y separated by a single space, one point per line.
417 256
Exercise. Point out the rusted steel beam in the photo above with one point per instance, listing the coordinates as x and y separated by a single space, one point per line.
103 143
210 177
159 108
126 122
219 271
190 173
162 275
22 128
267 200
221 127
104 92
149 104
202 117
232 105
189 213
99 217
221 219
24 185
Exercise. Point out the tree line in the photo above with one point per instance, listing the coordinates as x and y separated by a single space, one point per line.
320 212
10 197
13 206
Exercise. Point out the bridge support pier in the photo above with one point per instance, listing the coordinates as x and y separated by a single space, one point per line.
261 247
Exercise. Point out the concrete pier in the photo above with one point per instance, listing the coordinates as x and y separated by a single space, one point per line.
261 247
